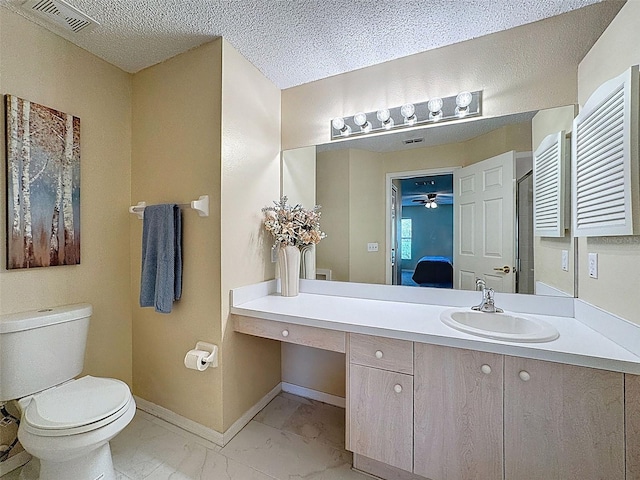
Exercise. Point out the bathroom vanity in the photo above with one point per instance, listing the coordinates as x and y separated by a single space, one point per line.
428 401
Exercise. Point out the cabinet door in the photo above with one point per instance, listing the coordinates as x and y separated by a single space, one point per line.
381 415
562 422
458 414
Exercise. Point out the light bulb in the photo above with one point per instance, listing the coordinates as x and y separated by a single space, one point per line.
360 119
338 124
384 115
408 111
434 204
463 100
435 108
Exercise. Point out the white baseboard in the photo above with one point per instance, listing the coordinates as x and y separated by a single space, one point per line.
180 421
222 439
313 394
239 424
11 463
207 433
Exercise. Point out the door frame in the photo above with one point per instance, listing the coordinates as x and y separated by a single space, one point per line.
389 177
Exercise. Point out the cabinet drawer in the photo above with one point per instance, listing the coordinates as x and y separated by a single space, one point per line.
381 415
287 332
380 352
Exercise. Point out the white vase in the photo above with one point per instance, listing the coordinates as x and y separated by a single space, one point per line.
289 266
308 262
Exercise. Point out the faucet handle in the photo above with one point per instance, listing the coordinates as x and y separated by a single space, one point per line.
480 284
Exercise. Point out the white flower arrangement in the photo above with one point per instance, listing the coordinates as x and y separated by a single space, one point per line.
293 225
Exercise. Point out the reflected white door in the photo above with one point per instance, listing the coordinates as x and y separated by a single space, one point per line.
395 279
484 224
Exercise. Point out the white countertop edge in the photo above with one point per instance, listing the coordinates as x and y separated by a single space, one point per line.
615 328
480 344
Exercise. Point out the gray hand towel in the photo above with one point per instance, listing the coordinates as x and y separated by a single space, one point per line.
161 282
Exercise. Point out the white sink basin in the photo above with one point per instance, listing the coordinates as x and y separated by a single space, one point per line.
511 327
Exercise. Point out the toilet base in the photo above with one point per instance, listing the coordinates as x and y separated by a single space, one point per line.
96 465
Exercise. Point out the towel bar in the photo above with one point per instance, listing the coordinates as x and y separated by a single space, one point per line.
201 206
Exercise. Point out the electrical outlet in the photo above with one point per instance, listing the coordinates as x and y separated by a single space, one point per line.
372 247
565 260
593 265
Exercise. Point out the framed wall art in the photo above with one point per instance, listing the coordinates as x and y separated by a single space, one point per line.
43 185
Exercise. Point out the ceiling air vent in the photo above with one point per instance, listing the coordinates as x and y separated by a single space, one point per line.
409 141
61 13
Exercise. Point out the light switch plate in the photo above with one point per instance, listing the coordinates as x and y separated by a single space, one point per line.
565 260
274 254
593 265
372 247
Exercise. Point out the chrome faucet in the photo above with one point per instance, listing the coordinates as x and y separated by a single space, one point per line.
487 304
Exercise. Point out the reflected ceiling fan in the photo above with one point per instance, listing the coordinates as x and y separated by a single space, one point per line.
429 202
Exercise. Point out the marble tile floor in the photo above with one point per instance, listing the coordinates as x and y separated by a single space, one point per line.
292 438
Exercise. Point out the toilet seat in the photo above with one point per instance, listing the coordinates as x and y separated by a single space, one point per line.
78 406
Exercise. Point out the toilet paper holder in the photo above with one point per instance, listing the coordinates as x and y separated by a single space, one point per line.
212 359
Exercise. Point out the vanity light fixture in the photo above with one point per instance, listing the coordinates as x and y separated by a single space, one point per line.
408 111
339 125
360 119
384 115
436 110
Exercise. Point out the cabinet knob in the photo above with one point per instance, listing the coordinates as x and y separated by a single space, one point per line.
397 388
379 354
524 376
285 333
486 369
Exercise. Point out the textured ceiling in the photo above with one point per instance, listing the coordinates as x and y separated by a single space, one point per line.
294 41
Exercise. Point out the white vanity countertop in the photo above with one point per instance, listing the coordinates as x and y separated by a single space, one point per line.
577 345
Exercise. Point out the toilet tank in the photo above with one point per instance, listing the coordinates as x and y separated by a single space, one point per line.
41 348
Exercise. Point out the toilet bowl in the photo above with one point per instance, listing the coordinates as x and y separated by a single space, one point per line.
68 427
66 422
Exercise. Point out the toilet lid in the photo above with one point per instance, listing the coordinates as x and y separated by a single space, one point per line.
77 403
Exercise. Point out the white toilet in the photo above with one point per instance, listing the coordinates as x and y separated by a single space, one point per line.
66 423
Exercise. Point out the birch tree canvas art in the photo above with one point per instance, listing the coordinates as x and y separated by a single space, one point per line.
43 185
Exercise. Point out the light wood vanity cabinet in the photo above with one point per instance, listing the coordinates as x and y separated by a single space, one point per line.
445 413
380 399
488 416
562 422
458 413
322 338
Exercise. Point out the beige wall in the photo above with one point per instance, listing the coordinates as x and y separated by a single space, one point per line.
250 181
366 202
313 368
615 289
548 250
522 69
176 158
333 194
42 67
298 169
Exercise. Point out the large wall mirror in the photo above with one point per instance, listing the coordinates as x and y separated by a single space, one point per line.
434 207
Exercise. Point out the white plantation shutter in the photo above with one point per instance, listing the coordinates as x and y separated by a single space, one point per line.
548 186
605 159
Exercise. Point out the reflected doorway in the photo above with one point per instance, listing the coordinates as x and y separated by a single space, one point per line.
422 230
